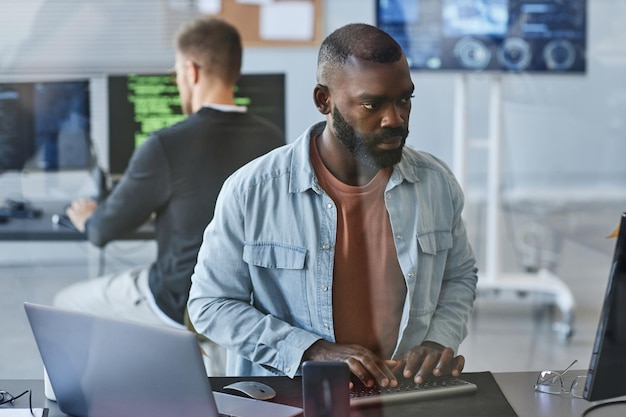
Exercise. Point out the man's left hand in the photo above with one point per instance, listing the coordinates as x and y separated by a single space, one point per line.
427 359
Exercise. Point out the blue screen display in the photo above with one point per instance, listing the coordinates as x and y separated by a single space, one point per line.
45 126
488 35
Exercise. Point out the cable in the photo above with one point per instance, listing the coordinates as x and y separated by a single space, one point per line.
596 406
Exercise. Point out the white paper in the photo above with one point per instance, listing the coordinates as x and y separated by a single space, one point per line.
234 405
20 412
209 6
287 20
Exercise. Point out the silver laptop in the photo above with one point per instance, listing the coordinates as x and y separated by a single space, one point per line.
102 367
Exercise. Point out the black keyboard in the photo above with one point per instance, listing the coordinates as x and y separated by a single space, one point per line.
407 390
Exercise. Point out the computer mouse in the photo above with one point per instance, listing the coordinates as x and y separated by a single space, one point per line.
253 389
62 220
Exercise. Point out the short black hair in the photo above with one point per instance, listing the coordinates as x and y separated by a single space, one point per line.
214 45
359 40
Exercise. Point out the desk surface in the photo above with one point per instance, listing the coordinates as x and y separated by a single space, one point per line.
516 386
42 229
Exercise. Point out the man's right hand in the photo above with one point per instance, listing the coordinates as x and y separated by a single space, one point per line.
79 211
363 363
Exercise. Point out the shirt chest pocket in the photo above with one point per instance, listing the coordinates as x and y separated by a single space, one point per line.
279 279
431 261
433 242
274 256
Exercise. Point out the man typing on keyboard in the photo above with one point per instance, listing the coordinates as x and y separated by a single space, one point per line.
345 245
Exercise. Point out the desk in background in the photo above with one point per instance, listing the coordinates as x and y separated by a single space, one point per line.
43 229
517 387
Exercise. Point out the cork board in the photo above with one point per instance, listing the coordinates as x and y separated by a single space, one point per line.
260 23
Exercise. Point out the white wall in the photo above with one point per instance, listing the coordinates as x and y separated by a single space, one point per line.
560 131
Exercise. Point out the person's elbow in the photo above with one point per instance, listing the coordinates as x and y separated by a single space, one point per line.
95 235
196 302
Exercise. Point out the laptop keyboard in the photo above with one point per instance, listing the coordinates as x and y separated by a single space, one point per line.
407 390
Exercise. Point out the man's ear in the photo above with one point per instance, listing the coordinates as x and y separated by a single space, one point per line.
192 73
321 96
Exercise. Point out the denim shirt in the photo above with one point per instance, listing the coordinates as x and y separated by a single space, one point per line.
262 286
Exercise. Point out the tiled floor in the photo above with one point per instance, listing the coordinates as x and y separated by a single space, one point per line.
515 335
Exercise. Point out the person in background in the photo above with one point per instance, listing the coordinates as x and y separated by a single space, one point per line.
345 245
174 176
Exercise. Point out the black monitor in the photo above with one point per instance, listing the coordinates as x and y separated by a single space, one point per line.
544 36
45 126
140 104
605 378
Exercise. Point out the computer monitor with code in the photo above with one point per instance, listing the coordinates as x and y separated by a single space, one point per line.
140 104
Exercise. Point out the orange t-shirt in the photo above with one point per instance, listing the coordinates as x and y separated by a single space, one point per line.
368 285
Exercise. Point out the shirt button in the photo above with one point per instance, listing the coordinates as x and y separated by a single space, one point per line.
325 288
326 327
399 237
288 369
327 246
388 196
329 205
411 274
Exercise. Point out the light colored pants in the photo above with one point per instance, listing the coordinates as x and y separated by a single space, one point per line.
120 296
125 296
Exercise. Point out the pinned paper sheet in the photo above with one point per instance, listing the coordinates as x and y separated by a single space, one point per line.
209 6
287 21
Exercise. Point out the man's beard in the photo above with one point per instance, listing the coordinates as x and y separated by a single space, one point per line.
363 147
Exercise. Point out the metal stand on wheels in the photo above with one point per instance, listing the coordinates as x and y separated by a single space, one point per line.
542 285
